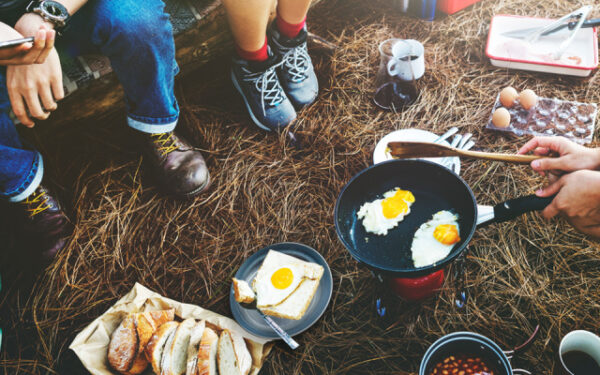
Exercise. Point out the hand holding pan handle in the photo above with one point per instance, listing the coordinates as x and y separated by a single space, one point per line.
513 208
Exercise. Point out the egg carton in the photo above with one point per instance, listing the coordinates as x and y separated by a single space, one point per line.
551 117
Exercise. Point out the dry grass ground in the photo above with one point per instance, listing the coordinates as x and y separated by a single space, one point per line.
520 273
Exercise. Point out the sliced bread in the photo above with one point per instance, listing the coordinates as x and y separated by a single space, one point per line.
226 357
242 291
192 351
175 354
296 304
123 345
155 348
207 353
241 352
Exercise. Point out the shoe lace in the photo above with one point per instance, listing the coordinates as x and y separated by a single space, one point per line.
166 143
297 63
268 85
36 203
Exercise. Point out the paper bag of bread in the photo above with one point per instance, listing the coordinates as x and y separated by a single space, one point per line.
145 333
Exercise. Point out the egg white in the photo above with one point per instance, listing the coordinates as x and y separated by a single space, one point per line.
373 219
269 295
426 250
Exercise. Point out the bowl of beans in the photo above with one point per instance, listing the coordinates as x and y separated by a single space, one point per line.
465 353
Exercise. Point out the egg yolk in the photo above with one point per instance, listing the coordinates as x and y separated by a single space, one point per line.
396 204
446 234
282 278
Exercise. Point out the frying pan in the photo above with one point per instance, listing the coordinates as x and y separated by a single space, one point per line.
435 188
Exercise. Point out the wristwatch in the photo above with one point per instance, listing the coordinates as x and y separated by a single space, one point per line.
51 11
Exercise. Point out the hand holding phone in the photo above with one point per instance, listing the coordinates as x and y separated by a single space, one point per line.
25 51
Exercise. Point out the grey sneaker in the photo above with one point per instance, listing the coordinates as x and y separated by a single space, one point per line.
257 82
296 74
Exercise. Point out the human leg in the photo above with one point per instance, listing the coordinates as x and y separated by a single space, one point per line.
254 66
137 37
287 37
41 220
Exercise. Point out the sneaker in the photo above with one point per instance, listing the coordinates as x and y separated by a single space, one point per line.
179 168
257 82
296 73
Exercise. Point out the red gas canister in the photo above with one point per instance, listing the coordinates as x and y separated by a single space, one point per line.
414 289
453 6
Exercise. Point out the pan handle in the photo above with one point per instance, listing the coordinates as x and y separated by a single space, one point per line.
516 207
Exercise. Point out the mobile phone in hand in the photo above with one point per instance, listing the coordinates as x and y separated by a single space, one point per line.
15 42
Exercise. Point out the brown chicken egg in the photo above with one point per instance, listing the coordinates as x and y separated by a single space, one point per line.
501 117
508 96
528 99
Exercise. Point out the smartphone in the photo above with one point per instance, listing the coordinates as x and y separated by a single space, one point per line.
16 42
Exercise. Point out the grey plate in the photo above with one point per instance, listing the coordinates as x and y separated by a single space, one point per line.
253 322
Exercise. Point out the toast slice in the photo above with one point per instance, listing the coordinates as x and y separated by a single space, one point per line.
192 351
207 353
175 354
154 349
226 357
124 345
242 291
296 304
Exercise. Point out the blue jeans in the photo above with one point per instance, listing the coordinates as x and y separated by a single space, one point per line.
137 37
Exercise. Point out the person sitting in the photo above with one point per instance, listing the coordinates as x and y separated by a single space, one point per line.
574 177
137 37
271 69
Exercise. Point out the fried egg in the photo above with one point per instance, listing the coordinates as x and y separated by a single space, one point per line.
381 215
434 240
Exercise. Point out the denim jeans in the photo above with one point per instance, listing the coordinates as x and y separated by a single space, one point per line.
137 37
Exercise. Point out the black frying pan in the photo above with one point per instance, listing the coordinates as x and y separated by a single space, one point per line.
435 188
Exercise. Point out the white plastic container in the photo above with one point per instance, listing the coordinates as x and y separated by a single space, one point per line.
580 58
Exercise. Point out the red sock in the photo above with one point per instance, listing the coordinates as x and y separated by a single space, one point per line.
259 55
288 29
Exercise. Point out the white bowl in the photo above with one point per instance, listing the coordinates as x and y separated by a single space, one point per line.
411 135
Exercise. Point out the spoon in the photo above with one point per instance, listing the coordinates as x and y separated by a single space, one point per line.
403 150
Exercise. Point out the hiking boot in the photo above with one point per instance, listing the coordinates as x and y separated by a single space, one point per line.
257 82
43 222
296 73
179 167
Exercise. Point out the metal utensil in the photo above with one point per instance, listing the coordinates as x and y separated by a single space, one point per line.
274 326
424 149
453 130
523 33
580 15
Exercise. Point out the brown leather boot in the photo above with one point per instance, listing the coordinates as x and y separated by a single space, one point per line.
43 224
179 168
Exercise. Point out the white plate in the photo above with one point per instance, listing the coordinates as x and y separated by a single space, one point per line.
579 59
411 135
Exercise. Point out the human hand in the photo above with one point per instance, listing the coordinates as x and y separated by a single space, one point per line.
577 199
35 88
26 53
570 155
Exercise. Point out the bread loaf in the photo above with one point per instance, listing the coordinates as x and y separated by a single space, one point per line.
154 349
207 353
226 357
175 354
194 345
124 345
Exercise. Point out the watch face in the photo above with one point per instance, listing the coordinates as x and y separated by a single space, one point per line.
54 10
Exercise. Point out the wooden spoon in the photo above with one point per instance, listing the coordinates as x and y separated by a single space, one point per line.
404 150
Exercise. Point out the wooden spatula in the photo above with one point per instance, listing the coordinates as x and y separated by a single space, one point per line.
404 150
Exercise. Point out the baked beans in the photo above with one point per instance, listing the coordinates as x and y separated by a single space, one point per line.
462 365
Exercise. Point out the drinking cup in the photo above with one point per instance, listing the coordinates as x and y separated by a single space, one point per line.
584 345
407 61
